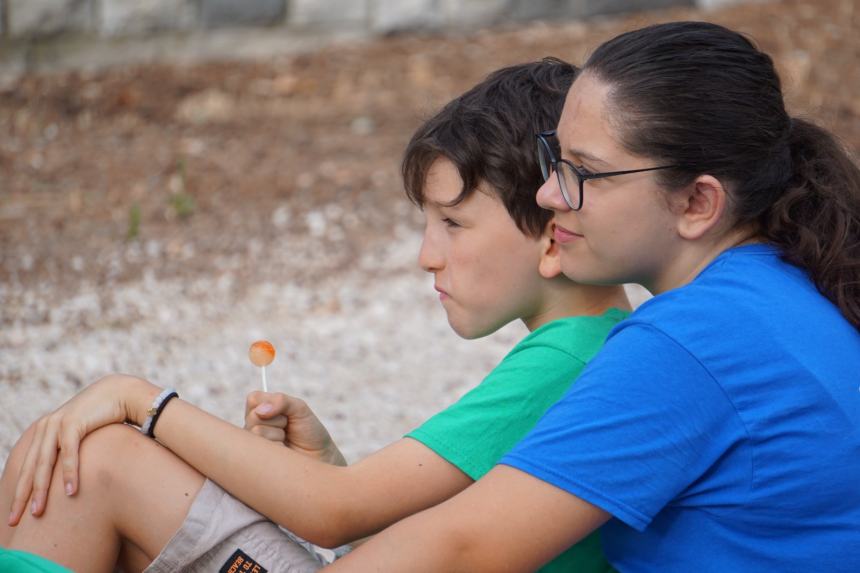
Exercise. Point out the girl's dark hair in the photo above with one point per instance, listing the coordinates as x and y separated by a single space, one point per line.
488 133
704 97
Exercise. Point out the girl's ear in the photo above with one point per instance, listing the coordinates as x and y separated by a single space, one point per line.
703 207
549 266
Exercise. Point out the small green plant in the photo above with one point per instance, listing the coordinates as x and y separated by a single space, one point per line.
182 204
134 217
181 171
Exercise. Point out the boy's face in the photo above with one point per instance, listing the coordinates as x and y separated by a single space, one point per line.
486 269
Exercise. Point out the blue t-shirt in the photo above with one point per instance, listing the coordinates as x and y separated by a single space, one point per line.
719 425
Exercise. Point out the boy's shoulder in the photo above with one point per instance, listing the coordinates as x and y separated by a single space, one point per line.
577 336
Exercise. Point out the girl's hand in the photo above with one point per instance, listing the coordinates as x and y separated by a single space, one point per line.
286 419
116 398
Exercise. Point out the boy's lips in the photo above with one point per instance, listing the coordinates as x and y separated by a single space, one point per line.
442 294
562 235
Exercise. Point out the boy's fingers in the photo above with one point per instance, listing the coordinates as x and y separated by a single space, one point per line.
272 406
278 421
19 503
70 445
270 433
267 410
253 399
253 419
24 485
45 462
293 406
257 399
287 405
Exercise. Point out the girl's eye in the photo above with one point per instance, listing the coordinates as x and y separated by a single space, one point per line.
583 170
449 222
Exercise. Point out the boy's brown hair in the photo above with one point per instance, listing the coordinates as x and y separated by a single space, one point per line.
488 133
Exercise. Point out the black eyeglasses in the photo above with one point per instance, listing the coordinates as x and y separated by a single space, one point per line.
569 175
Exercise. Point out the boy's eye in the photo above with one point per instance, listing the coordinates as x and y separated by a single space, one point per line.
449 222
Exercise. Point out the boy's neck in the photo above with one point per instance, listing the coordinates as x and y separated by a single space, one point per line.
578 300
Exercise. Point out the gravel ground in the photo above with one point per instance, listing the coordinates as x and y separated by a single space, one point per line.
157 219
360 347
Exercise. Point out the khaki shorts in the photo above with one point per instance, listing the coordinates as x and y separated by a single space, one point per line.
222 535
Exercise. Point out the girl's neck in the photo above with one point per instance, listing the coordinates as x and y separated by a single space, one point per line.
695 257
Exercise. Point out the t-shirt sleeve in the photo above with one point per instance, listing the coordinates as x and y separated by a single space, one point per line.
643 422
475 432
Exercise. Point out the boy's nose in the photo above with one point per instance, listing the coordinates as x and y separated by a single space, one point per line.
429 258
549 195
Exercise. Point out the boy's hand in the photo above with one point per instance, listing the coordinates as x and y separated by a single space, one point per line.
282 418
55 446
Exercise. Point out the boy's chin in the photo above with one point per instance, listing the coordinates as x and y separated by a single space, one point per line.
472 331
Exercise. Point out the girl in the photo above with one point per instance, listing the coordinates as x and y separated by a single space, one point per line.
719 427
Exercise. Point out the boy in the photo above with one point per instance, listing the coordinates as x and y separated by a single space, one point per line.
472 169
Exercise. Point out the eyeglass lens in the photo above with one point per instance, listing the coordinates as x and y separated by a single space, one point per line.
567 178
544 159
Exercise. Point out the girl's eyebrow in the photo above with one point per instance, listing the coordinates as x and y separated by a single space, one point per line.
585 155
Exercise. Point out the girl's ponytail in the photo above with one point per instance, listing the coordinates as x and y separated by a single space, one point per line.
816 221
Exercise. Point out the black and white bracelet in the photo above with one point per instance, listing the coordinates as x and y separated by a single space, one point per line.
152 415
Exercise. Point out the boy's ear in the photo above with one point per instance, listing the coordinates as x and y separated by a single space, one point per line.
549 266
702 207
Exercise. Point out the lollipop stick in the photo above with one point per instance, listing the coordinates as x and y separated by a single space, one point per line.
263 372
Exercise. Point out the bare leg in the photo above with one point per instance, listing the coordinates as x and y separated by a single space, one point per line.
133 496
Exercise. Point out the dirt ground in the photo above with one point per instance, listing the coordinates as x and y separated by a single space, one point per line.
156 219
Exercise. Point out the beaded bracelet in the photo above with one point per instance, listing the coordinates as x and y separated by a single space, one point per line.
154 412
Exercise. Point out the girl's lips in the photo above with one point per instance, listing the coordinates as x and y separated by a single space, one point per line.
562 235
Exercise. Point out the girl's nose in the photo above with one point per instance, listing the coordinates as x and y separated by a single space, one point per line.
549 195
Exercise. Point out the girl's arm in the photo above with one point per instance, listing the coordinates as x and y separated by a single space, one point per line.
325 504
507 521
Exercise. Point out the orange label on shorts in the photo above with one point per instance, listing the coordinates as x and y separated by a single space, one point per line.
240 562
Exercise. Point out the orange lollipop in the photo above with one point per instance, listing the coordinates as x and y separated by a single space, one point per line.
262 353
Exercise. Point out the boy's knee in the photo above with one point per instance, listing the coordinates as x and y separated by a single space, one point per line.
118 454
109 446
112 446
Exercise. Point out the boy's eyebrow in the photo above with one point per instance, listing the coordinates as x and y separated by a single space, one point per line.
445 204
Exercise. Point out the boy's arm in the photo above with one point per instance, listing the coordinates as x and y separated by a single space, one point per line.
507 521
325 504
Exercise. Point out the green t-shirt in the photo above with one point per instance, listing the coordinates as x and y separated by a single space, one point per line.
12 561
474 433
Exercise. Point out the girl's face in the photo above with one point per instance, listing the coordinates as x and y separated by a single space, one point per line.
626 228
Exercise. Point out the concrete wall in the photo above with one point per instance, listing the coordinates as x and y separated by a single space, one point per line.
123 18
38 35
